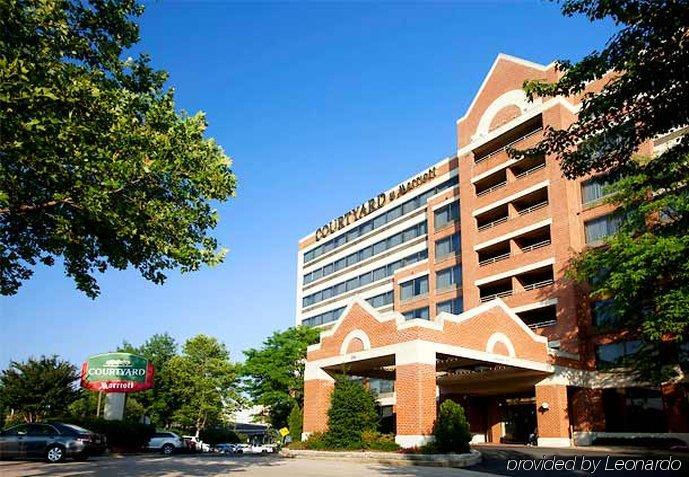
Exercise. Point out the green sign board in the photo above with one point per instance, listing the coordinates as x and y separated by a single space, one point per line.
117 373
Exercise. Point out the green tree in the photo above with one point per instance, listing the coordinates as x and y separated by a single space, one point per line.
274 374
157 403
353 411
295 422
644 267
451 429
202 384
39 388
97 167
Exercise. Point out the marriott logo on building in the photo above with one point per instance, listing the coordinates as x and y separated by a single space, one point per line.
374 204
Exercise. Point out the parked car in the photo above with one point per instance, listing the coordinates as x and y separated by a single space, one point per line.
196 444
225 448
166 442
53 442
254 449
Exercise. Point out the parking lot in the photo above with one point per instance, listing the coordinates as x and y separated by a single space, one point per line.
218 465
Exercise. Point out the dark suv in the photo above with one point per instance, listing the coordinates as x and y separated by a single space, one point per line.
53 442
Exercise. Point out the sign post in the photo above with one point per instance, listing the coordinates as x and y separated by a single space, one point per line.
116 374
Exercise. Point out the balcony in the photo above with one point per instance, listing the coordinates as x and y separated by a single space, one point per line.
494 253
498 289
536 279
509 139
539 317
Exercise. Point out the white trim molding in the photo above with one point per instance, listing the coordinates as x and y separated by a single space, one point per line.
417 440
554 442
499 337
355 335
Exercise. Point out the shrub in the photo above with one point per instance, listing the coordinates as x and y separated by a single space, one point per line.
352 412
220 434
451 430
295 423
125 436
374 440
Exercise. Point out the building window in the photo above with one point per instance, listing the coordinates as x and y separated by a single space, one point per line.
414 288
363 279
597 229
445 215
447 246
378 221
614 354
419 313
448 278
381 300
379 247
603 313
593 190
634 410
322 318
454 307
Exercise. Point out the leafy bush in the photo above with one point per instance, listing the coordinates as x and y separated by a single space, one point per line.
374 440
125 436
352 412
451 429
295 423
220 434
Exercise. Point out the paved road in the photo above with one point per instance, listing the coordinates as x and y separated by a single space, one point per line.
518 461
202 466
497 460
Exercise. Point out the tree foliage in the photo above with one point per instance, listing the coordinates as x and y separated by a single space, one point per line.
202 383
97 167
295 422
352 412
39 388
274 374
644 267
157 403
451 429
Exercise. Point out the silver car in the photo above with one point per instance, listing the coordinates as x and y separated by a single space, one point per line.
53 442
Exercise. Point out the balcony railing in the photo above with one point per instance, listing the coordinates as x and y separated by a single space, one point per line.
533 208
491 189
493 223
496 295
488 261
530 171
541 284
532 247
541 324
498 151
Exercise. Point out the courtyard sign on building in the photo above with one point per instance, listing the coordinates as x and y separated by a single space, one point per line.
374 204
117 373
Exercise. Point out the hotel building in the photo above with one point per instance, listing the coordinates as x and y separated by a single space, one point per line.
452 284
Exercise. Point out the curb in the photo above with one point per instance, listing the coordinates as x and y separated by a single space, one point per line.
391 458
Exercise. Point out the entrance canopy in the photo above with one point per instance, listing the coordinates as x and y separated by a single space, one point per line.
488 343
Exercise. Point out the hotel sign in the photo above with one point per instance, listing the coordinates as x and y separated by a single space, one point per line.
374 204
117 373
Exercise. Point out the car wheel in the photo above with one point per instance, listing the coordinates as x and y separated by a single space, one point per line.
264 451
55 453
168 449
240 451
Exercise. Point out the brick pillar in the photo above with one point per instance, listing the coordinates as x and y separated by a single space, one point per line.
318 386
676 403
416 397
553 422
494 425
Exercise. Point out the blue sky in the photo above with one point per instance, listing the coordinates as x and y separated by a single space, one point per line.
321 106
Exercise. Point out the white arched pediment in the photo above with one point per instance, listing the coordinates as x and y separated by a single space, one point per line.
353 335
515 97
496 338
